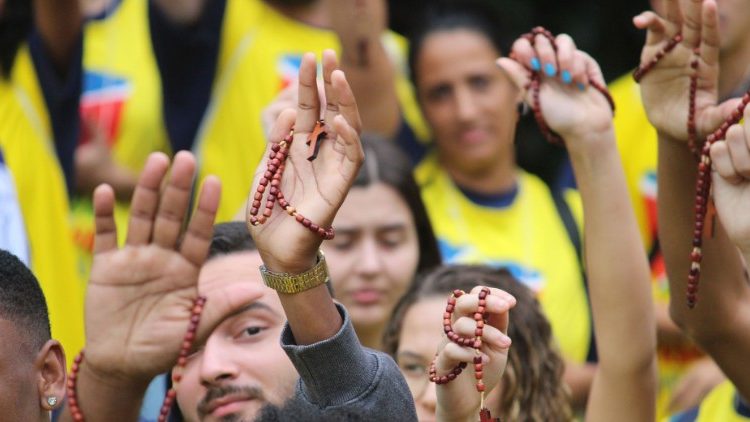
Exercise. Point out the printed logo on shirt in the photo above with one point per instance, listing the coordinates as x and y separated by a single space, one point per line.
528 276
12 228
102 103
288 68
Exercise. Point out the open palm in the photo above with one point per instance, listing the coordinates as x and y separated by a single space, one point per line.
665 88
139 297
315 188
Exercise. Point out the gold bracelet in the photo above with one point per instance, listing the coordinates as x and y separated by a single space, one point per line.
296 283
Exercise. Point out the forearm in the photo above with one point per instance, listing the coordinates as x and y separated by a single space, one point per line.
100 396
372 77
360 26
59 22
721 266
619 288
579 377
182 12
312 315
723 307
616 263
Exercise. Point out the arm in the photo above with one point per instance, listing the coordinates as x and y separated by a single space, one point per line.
722 310
619 281
360 26
337 372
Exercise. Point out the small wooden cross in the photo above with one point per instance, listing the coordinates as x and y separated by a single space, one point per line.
314 139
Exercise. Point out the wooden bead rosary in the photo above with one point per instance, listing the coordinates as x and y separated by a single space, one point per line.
475 342
274 171
536 82
185 348
703 205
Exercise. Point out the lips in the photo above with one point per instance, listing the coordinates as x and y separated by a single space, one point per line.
366 296
227 405
473 136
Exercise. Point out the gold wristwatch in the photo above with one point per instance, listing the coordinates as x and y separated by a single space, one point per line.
296 283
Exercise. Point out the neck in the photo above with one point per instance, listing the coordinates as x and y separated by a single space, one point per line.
371 336
313 14
733 63
497 178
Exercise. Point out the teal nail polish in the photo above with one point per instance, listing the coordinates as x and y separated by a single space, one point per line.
566 78
581 86
535 65
549 69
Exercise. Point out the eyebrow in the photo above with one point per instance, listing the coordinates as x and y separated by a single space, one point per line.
251 307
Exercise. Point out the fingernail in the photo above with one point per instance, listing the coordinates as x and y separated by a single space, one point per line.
535 65
549 69
581 86
566 78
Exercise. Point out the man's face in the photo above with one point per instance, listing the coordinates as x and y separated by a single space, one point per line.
19 395
241 367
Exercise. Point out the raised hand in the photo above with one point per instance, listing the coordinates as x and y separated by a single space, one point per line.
315 188
665 88
140 296
459 400
731 183
569 105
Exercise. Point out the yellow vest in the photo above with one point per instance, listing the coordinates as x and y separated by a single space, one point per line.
721 405
27 145
637 143
527 236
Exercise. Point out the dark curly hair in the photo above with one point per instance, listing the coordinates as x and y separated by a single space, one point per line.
532 386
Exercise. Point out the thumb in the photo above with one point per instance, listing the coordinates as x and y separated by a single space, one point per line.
515 72
715 116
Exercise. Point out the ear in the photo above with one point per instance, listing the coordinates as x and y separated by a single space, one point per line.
50 367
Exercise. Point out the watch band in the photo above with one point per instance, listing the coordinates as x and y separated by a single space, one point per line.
296 283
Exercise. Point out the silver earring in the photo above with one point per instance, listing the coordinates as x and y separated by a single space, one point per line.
52 401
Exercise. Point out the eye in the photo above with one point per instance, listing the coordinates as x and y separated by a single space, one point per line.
439 93
251 331
413 369
479 83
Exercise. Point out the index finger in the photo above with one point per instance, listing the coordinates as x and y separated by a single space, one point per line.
308 102
673 13
709 49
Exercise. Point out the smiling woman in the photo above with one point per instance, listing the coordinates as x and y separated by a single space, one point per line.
383 238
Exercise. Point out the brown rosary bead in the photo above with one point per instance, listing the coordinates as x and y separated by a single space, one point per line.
473 342
171 394
274 171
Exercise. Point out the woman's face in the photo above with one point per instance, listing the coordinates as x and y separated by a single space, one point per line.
467 100
421 334
374 255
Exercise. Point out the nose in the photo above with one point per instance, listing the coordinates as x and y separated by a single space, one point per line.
428 400
216 364
369 262
466 106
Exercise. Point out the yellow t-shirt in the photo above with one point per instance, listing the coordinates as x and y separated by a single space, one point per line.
637 143
29 153
260 54
527 236
721 405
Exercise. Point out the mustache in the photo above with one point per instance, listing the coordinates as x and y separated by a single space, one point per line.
214 393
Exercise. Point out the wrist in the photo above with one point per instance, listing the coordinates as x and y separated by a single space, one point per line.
592 143
297 265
